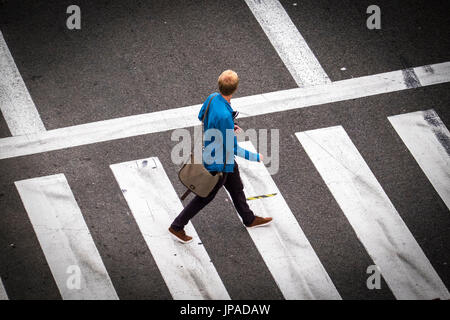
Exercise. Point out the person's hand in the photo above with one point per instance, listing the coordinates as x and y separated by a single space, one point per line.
261 158
237 129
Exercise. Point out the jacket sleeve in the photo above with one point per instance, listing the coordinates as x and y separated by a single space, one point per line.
225 124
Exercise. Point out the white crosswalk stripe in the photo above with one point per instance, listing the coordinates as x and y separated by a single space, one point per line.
3 294
65 239
428 140
186 268
288 42
376 222
284 247
260 104
16 104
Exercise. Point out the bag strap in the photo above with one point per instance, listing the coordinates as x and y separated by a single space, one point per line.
203 118
207 108
185 194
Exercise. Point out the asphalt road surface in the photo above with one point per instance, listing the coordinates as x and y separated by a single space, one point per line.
138 58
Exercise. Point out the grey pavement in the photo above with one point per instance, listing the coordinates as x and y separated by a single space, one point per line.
133 57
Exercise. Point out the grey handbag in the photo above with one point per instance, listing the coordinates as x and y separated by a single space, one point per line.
194 176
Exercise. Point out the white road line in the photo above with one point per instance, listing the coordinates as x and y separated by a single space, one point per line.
186 268
248 106
284 247
16 104
428 140
3 295
65 239
377 224
288 42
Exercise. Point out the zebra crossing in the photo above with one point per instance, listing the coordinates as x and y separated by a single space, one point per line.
64 238
428 140
188 270
16 104
288 42
183 117
376 222
193 271
284 247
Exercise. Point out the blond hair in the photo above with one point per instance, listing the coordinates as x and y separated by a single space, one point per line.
228 82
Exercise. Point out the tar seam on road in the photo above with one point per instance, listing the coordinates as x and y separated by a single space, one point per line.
428 140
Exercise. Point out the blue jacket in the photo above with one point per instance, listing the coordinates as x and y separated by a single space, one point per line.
219 138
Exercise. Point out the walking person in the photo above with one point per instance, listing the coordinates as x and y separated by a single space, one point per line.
220 117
